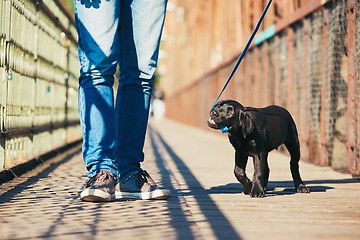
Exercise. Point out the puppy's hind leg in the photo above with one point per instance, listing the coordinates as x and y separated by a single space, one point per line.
266 174
239 171
293 146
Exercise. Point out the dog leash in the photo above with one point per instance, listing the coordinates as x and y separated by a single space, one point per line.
244 51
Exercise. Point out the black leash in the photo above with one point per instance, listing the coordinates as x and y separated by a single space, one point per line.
244 51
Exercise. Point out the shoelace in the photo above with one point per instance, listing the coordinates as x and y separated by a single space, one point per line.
145 176
101 177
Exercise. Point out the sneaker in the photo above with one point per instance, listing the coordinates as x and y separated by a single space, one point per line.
100 188
140 186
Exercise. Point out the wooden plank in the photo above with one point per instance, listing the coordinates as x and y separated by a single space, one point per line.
324 154
311 6
352 88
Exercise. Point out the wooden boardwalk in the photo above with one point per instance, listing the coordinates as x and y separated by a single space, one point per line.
207 202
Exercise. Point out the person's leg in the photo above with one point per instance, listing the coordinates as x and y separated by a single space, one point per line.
97 26
141 25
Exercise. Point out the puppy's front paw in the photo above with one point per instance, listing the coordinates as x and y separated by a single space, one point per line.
302 189
257 192
247 187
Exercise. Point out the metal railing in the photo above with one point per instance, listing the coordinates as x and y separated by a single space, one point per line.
38 86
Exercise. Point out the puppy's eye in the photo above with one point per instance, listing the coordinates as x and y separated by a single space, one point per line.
214 114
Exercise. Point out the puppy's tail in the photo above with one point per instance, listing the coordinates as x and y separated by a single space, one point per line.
293 136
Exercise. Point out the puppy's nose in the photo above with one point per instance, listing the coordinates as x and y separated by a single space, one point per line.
210 121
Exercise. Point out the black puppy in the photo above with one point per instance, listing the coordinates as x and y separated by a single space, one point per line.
255 132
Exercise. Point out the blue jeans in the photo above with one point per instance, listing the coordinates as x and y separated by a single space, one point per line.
111 33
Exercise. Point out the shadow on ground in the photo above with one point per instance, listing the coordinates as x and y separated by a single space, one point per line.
283 187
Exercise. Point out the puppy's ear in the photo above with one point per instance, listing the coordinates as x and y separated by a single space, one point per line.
230 111
246 123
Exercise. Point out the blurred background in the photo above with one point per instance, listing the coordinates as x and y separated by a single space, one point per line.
305 57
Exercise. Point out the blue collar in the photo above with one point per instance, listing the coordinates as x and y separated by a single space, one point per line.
224 129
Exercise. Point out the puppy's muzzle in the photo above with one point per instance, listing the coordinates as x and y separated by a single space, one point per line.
211 123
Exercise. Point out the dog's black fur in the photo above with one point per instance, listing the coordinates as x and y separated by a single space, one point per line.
255 132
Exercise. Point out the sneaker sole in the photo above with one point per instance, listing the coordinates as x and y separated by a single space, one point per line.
96 195
158 194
